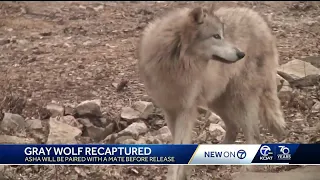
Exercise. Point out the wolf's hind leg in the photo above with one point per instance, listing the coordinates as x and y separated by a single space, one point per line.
248 116
239 110
247 113
224 110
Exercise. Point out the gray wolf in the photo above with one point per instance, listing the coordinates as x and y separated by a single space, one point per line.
221 58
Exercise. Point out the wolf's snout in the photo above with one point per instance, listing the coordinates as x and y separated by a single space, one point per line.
240 54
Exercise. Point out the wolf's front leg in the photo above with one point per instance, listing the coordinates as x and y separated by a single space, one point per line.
181 126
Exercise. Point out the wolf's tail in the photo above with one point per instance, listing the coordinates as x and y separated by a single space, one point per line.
271 115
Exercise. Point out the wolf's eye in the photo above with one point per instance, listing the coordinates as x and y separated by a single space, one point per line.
216 36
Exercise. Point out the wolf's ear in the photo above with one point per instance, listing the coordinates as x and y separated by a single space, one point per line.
198 14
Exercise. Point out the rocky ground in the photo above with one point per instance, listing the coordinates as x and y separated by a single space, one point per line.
68 75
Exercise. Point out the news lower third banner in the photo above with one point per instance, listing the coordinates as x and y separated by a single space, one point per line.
169 154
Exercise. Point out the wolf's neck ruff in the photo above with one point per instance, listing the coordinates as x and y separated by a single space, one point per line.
179 30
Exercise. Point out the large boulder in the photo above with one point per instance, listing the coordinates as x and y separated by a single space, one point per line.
145 108
297 69
90 108
55 109
12 123
62 133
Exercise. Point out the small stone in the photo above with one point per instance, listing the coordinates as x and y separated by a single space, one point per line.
34 124
213 127
123 83
158 178
109 129
22 41
46 33
36 168
129 113
87 43
214 118
282 84
156 141
306 81
286 89
125 140
146 98
134 129
150 139
28 170
284 93
36 130
217 131
141 141
280 81
4 41
95 133
12 123
85 122
80 172
69 110
70 120
318 127
194 135
134 171
39 136
103 121
115 85
82 7
61 133
202 110
284 96
316 107
221 123
89 108
164 130
122 124
314 60
164 134
98 8
145 108
55 110
159 122
202 138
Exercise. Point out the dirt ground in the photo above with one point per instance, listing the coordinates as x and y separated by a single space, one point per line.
73 51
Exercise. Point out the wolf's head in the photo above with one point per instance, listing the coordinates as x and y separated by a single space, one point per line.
205 34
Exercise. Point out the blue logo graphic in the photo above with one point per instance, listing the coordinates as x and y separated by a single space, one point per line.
284 150
266 153
241 154
285 153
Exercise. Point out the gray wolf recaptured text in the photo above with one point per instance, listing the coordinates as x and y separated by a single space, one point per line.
224 59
